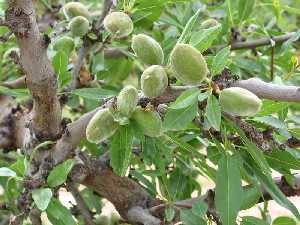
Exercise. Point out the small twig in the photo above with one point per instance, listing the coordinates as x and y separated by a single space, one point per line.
18 83
256 43
107 4
83 52
272 62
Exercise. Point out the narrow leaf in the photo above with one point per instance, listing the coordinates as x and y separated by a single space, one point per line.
94 93
213 112
203 39
42 197
220 60
59 214
228 189
6 172
121 150
188 28
252 149
186 99
245 9
283 220
274 191
178 119
60 173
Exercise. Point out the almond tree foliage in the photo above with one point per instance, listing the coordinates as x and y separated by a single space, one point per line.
133 101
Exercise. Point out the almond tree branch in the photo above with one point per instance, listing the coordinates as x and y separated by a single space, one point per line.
41 80
257 43
18 83
270 91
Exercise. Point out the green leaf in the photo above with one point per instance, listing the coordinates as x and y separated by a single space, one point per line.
6 172
91 199
213 112
228 189
189 218
270 107
250 220
121 150
18 93
94 93
20 166
277 9
195 215
245 9
220 61
186 99
59 214
42 198
230 12
188 28
290 41
252 149
250 197
203 39
178 119
170 213
283 159
60 173
274 191
60 63
272 121
200 208
283 220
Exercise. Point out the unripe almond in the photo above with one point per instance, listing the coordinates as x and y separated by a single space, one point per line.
127 100
64 43
79 26
147 49
73 9
101 126
118 23
209 23
154 81
239 101
149 122
188 64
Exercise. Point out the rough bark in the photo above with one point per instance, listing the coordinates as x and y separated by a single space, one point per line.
40 77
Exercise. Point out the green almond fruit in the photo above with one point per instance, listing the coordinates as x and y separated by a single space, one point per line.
209 23
101 126
127 100
147 49
118 23
188 64
154 81
74 9
239 101
79 26
149 122
64 43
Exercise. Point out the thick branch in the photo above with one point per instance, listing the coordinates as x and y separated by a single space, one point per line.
270 91
40 76
124 193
